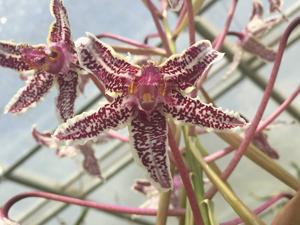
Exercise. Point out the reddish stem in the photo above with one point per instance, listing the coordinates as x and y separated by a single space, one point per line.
267 204
150 36
218 42
191 22
218 154
75 201
123 39
278 111
250 133
181 17
221 38
161 32
183 172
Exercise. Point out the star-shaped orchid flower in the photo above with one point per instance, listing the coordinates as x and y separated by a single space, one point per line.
55 62
144 97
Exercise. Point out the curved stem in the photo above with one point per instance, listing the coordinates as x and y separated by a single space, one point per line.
123 39
191 22
70 200
161 32
259 113
267 204
221 38
185 179
219 154
218 42
278 111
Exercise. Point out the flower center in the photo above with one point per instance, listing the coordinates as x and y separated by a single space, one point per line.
149 89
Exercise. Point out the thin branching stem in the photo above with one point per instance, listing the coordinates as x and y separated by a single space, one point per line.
278 111
264 206
185 179
75 201
250 133
123 40
159 28
191 22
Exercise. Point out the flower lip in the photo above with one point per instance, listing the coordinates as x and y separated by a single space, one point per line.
149 88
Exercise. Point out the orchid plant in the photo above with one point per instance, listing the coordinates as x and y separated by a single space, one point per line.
155 100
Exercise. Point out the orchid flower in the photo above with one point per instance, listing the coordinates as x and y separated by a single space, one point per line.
90 162
55 62
143 98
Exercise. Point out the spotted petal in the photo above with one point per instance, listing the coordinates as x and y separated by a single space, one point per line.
11 55
148 139
101 60
67 84
194 112
90 162
91 124
183 70
60 28
36 87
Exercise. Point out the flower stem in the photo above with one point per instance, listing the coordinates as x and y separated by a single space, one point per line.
265 99
161 32
196 176
185 179
191 22
278 111
267 204
247 216
123 39
70 200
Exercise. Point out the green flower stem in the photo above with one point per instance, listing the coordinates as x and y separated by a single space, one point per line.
197 176
262 160
183 21
212 164
237 205
163 206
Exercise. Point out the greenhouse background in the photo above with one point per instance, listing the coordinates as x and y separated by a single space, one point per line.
25 166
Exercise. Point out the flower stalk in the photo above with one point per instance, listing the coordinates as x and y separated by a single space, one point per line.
265 99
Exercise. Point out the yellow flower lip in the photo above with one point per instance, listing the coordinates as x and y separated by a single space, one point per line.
147 98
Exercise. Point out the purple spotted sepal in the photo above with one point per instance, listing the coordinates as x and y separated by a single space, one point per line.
145 95
90 125
56 62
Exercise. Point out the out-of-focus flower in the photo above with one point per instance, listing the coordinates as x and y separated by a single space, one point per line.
176 5
144 96
90 162
275 5
261 141
152 194
53 63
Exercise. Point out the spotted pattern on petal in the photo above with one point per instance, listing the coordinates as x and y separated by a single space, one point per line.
37 86
91 124
60 28
67 84
148 139
115 72
11 56
184 70
193 111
